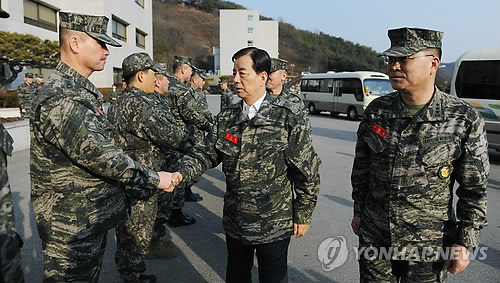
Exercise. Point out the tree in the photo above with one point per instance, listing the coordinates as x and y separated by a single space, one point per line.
20 50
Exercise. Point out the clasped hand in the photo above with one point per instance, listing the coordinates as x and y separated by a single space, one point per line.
168 181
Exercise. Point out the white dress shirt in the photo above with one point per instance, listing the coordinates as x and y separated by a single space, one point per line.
251 110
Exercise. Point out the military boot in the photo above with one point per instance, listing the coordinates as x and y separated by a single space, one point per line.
178 218
190 196
143 278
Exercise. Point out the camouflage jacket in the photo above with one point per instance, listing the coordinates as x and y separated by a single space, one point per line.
405 168
25 94
76 168
7 223
289 96
226 98
201 96
144 130
184 106
264 159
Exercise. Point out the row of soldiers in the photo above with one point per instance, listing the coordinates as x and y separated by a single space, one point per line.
27 90
82 159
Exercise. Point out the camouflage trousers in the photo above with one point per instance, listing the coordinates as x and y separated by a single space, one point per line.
392 271
10 258
68 260
133 238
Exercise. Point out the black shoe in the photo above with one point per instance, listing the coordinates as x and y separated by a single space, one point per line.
143 278
194 197
180 219
190 196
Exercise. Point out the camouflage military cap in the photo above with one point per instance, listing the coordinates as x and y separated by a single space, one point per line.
408 41
179 60
223 81
200 72
278 64
137 62
95 26
3 14
39 76
161 68
28 75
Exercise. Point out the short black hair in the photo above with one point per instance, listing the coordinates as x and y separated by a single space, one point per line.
261 59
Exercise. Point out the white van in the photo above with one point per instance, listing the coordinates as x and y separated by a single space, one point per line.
345 92
476 79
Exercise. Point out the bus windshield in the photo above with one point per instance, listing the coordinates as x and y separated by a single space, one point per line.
378 87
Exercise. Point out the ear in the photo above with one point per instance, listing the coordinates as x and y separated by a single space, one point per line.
140 76
435 65
284 75
263 76
74 44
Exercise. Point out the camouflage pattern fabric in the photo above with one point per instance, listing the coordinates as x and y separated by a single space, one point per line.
226 98
408 41
95 26
25 94
10 242
113 95
144 130
133 238
267 160
76 171
278 64
289 96
405 168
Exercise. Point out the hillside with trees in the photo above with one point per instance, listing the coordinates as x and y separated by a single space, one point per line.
191 28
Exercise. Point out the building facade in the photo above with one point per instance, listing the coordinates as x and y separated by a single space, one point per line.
130 23
242 28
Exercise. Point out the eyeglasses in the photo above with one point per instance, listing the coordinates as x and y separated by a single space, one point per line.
389 60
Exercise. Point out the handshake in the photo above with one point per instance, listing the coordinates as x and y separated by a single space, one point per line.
168 181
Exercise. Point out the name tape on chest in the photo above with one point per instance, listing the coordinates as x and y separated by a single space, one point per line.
231 138
379 130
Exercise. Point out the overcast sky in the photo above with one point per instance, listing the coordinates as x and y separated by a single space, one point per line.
466 24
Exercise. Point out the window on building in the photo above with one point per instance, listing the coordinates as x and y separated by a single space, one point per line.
40 15
250 17
250 42
140 3
119 29
140 39
117 77
250 29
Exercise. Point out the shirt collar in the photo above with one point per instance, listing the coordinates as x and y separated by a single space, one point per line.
251 110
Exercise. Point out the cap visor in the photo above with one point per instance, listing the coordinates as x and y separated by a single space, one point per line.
104 38
400 51
4 14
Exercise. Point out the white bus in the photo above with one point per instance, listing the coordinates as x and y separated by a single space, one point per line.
476 79
345 92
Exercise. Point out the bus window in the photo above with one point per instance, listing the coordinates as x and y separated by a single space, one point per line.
478 79
313 85
378 87
326 85
352 87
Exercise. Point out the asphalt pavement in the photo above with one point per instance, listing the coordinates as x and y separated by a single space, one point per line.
200 252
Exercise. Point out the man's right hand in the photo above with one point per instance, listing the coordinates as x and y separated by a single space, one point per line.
355 224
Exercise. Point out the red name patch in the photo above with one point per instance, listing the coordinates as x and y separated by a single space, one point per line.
231 138
379 130
100 111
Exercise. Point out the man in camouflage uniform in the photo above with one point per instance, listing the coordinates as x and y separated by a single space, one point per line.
113 94
10 242
25 93
276 87
196 83
226 95
186 114
144 131
412 146
38 83
76 169
271 170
